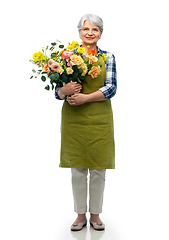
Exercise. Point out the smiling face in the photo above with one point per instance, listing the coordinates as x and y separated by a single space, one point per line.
90 33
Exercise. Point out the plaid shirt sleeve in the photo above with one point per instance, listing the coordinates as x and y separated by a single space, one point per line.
110 87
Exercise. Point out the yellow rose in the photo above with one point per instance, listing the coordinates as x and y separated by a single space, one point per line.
73 45
69 70
60 70
35 57
95 71
81 50
104 57
38 57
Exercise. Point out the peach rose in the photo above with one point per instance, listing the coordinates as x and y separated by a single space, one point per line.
76 60
92 59
95 71
69 64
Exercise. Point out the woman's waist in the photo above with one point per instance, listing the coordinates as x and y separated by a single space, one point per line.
94 111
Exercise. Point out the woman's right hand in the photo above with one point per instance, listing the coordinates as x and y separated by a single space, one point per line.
69 89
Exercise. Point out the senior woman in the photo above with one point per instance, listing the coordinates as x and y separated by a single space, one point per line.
87 132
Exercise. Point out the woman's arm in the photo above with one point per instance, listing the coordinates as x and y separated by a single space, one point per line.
109 90
80 98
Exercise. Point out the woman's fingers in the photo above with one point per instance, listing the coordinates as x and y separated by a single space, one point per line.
78 87
71 100
77 99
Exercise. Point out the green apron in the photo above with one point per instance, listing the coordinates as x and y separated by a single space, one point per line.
87 132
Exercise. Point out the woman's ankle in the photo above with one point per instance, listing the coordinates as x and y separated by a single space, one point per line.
81 218
94 217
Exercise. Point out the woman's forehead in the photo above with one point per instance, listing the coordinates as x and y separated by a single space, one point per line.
87 23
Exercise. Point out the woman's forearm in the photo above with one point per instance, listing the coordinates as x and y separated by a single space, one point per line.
95 97
80 98
60 93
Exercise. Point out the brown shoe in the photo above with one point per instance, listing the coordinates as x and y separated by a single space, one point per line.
99 226
78 226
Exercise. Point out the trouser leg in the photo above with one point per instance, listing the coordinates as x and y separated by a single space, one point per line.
96 190
79 187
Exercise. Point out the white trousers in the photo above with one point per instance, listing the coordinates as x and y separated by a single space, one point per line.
80 189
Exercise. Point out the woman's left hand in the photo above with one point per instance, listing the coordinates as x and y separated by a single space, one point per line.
77 99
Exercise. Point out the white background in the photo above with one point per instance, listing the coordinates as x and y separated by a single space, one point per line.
36 198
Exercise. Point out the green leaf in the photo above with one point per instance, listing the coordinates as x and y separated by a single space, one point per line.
43 78
89 65
44 72
31 77
47 87
80 70
82 78
79 81
54 77
75 74
33 70
59 82
53 55
52 86
61 46
65 78
50 73
53 44
64 61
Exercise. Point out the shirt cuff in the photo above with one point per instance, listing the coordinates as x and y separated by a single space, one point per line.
56 93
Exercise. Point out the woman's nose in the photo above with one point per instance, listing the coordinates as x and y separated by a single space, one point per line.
90 32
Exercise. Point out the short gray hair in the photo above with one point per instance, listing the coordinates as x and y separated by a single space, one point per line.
93 19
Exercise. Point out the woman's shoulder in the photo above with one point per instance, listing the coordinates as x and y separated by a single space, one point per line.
110 57
108 54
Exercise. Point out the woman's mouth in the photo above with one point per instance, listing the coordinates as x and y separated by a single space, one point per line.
90 38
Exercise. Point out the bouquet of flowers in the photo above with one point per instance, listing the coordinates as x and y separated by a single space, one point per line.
67 65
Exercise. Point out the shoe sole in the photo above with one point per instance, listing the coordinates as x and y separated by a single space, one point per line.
97 229
75 230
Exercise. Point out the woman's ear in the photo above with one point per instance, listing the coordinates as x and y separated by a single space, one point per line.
101 34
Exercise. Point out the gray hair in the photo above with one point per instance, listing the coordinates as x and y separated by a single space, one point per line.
94 19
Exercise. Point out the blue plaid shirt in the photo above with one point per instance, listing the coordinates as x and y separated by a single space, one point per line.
109 89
